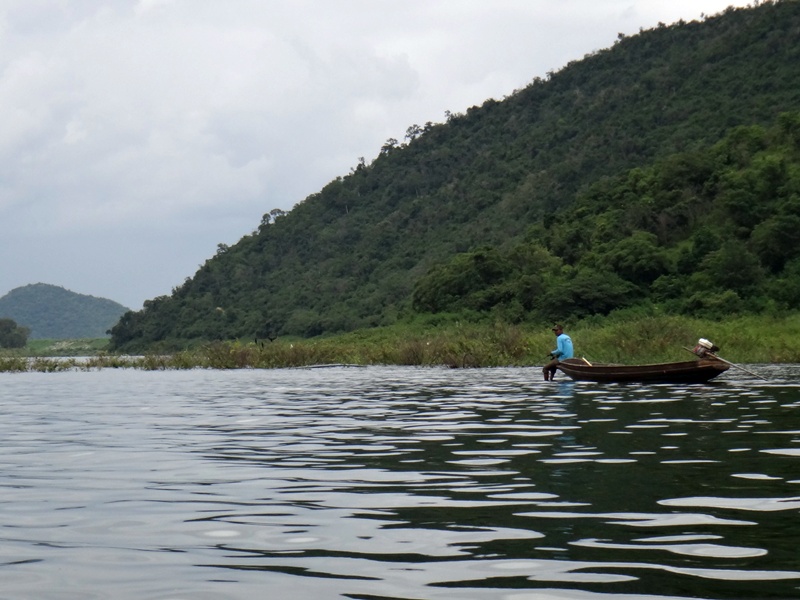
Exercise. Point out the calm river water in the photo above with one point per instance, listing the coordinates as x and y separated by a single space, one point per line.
397 483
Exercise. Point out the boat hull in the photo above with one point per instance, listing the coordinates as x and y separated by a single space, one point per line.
692 371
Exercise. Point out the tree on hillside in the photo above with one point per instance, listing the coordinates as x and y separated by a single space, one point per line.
12 335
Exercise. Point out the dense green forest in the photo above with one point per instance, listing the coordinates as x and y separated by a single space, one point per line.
703 233
658 172
52 312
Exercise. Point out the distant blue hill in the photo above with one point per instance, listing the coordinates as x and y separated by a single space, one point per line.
52 312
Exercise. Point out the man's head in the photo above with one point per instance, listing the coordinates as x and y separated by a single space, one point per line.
558 329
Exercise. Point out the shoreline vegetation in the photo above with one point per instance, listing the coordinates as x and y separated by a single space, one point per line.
744 340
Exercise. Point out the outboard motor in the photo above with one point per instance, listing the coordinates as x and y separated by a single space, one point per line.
704 347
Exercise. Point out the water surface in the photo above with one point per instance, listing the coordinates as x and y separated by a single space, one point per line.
397 483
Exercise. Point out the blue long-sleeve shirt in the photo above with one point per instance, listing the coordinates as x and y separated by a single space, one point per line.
564 347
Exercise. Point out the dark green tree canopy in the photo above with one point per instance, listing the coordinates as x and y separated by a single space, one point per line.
564 165
12 335
649 237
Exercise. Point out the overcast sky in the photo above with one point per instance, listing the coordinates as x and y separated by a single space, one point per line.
136 135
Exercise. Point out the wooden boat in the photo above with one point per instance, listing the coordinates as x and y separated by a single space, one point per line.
690 371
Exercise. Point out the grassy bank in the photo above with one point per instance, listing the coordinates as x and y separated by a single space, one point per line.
457 345
78 347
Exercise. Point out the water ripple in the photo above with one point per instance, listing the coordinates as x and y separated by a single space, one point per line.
396 483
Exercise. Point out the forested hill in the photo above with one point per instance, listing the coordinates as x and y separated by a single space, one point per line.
52 312
494 178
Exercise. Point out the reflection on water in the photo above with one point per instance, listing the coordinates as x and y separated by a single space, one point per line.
397 483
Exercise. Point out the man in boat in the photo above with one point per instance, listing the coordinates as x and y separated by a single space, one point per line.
563 351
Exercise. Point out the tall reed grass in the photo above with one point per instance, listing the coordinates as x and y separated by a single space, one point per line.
622 340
